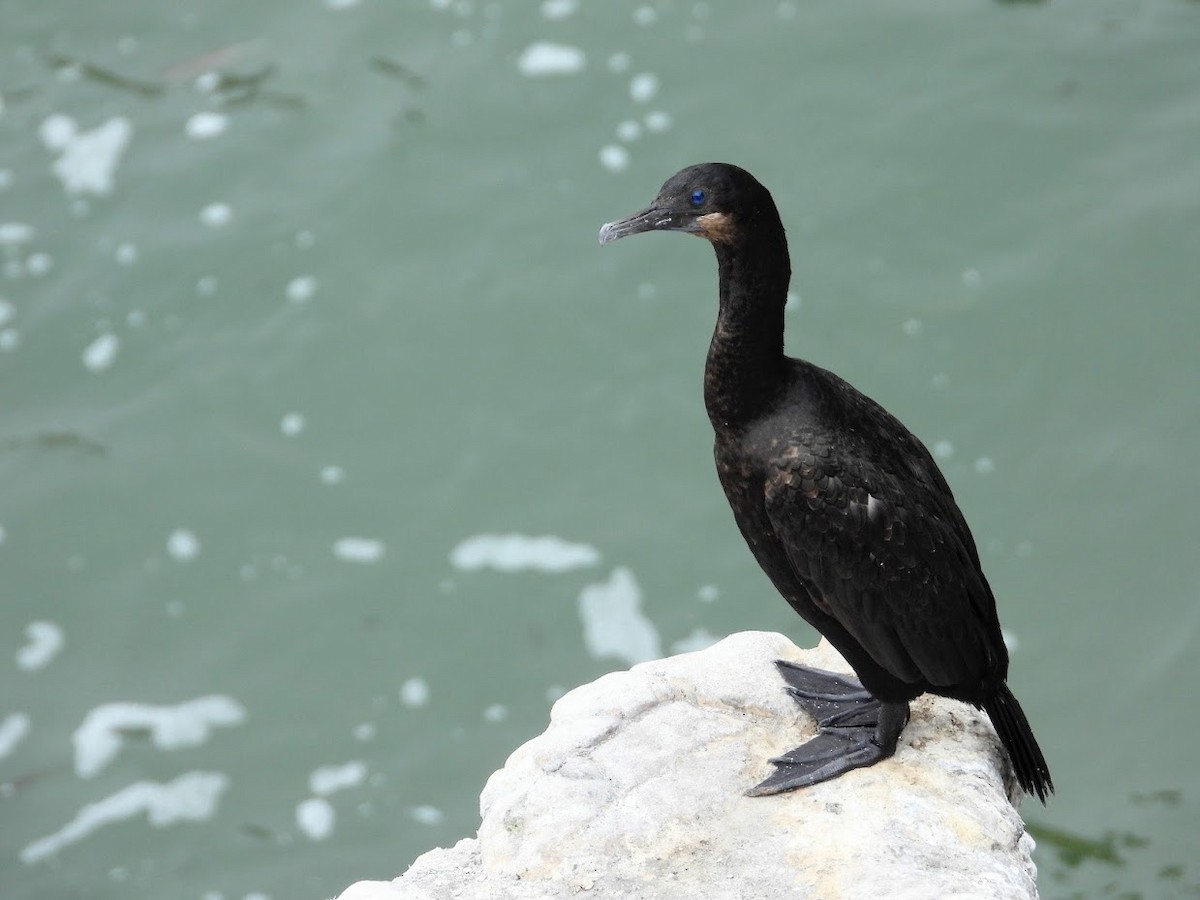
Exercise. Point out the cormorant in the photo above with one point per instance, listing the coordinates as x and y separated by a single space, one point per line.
844 509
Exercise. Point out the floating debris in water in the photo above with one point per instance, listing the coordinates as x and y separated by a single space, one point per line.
13 729
619 62
315 818
613 621
38 264
292 424
183 545
13 233
427 815
203 126
645 16
301 289
543 58
87 160
558 9
74 68
100 353
629 130
614 157
126 254
657 120
393 68
45 641
191 797
216 214
104 730
414 692
330 779
643 87
518 552
358 549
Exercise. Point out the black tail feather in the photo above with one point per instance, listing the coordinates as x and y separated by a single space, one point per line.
1017 737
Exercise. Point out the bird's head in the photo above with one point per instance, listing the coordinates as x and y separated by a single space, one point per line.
716 201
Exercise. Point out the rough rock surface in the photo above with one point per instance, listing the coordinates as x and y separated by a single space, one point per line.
636 790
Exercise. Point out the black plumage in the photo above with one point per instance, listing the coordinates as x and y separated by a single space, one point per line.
844 508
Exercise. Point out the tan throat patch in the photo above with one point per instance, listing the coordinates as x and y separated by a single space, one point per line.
717 227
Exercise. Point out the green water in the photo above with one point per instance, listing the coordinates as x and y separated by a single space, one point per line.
366 302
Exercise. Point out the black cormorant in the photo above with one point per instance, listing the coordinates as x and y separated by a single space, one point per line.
844 509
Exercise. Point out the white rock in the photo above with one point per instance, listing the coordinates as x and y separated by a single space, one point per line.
637 789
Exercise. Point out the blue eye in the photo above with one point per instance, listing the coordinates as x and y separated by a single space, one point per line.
697 197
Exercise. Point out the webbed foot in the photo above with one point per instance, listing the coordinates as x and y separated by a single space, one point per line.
854 729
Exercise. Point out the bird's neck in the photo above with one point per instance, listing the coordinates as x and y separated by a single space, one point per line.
745 367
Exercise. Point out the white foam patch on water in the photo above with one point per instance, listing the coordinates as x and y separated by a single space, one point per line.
37 264
943 449
614 157
191 797
613 622
1011 641
699 639
206 125
328 780
10 339
183 544
559 9
99 739
101 353
292 424
13 233
45 641
657 121
13 729
215 215
708 593
519 552
427 815
301 289
126 254
333 474
645 16
358 549
643 87
414 692
629 130
985 465
87 160
619 62
7 312
544 58
497 712
315 818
